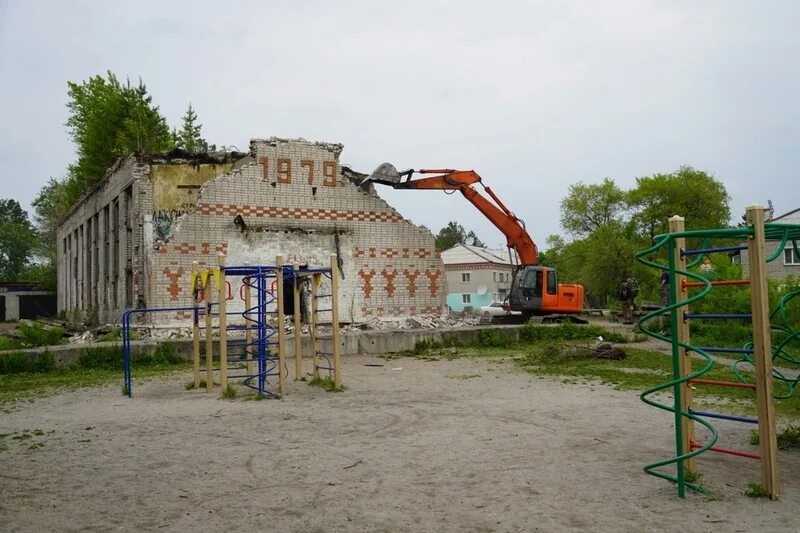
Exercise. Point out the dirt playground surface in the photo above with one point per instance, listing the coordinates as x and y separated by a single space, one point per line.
464 445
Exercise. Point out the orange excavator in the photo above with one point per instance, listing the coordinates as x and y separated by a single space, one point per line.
534 289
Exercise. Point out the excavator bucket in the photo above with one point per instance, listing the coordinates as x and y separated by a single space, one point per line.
386 174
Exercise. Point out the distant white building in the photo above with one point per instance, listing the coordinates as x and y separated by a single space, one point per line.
476 276
787 263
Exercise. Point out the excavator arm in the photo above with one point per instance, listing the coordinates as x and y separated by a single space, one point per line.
463 180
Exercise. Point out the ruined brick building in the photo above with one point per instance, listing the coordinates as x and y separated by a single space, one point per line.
131 241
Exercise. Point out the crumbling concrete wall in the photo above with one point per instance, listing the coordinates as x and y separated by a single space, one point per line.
295 203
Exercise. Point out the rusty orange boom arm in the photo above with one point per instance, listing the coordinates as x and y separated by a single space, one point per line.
498 214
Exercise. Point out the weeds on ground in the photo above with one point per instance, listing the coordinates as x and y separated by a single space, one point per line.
230 393
755 490
326 383
692 476
25 377
789 437
202 384
18 363
566 332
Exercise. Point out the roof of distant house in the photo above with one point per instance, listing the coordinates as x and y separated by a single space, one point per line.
465 253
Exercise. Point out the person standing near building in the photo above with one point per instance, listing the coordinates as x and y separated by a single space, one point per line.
627 292
665 288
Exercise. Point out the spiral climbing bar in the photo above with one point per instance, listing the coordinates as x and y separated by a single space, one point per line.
758 353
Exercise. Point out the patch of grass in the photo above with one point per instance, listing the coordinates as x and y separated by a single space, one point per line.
10 343
755 490
230 393
494 338
326 383
25 386
789 437
110 357
18 363
3 448
692 476
465 376
640 370
36 334
568 331
36 446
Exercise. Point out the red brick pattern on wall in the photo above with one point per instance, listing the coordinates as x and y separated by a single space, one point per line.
390 253
433 279
185 248
298 213
174 288
366 275
411 276
389 276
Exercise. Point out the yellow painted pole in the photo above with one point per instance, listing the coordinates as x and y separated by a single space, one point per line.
281 326
337 370
298 340
312 324
195 329
676 225
209 337
762 351
248 333
223 326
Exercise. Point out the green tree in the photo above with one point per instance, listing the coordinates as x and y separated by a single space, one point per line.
50 207
189 137
587 207
108 120
17 240
692 194
454 233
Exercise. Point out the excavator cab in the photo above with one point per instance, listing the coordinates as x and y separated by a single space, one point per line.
535 290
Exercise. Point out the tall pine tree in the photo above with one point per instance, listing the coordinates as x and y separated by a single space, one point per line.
189 138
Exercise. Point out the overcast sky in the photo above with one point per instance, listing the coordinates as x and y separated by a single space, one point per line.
534 96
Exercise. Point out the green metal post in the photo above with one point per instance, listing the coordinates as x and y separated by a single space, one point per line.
676 370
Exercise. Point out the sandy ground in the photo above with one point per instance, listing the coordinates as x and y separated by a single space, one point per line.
465 445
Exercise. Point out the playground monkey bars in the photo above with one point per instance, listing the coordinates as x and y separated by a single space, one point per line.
759 352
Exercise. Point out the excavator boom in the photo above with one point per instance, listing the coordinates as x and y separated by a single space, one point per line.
535 289
463 180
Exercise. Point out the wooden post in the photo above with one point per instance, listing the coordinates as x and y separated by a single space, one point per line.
298 340
209 336
676 225
312 324
248 333
281 326
195 328
762 351
223 326
337 372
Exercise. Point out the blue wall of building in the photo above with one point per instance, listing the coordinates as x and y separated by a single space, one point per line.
455 303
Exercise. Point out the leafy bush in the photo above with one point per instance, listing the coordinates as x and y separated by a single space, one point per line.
36 334
9 343
536 332
17 363
493 338
101 357
163 354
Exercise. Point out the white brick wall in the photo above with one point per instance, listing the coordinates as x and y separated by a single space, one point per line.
390 266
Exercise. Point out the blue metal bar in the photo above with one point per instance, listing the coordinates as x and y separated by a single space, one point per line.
714 316
723 350
702 251
127 370
724 417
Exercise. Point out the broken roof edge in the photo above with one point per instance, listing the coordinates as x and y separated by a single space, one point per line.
173 157
335 148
